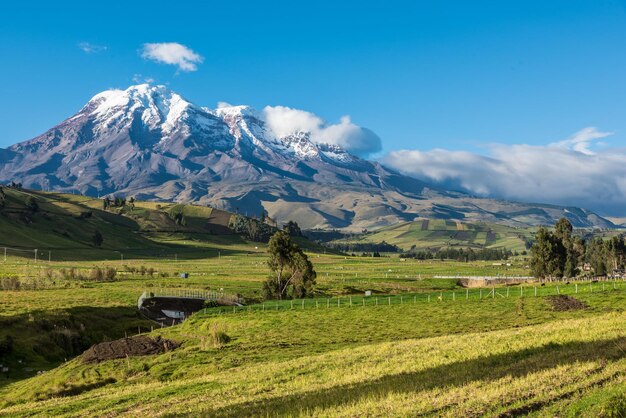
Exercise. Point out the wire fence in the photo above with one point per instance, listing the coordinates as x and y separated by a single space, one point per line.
443 296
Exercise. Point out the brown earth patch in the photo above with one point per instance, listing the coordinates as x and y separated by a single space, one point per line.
128 347
566 303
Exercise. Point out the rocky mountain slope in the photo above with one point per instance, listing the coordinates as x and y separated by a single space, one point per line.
150 142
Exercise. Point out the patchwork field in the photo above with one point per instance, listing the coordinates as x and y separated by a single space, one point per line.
434 234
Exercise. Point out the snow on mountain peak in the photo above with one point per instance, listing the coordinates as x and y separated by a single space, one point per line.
158 106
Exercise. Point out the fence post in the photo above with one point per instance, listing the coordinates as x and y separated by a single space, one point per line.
558 292
429 297
535 290
453 295
389 299
493 293
350 300
467 294
481 292
302 303
576 287
291 303
376 300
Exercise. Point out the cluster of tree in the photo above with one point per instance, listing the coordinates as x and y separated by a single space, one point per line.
142 270
293 229
292 274
118 202
3 198
14 185
322 235
461 254
558 253
365 247
178 216
252 229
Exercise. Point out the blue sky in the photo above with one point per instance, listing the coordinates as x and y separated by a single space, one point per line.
420 74
456 75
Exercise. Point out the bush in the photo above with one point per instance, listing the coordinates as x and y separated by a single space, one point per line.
218 336
102 274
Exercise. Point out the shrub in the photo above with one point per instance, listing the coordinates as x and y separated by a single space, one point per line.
218 335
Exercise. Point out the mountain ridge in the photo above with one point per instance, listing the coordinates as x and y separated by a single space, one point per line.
150 142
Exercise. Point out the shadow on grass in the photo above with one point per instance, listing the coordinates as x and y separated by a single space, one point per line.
157 250
515 364
43 340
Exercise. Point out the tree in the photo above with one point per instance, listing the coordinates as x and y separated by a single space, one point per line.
292 274
97 238
32 204
595 256
293 229
548 255
563 229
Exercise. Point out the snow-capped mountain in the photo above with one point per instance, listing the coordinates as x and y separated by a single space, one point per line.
149 142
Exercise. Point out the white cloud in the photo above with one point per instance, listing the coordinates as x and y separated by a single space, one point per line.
90 48
172 53
284 121
582 140
565 172
140 79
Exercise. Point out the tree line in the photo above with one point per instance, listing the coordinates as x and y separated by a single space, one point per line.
561 254
461 254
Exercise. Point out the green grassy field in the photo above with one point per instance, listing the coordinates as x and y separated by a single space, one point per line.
418 346
434 234
465 357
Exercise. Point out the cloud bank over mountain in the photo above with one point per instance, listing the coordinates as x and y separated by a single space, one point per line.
576 171
357 140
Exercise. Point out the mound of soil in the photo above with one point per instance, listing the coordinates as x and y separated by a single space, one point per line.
566 303
135 346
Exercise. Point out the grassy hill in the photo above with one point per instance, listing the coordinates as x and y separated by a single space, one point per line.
64 225
496 357
434 234
418 346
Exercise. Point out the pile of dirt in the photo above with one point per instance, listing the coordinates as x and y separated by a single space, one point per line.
566 303
134 346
